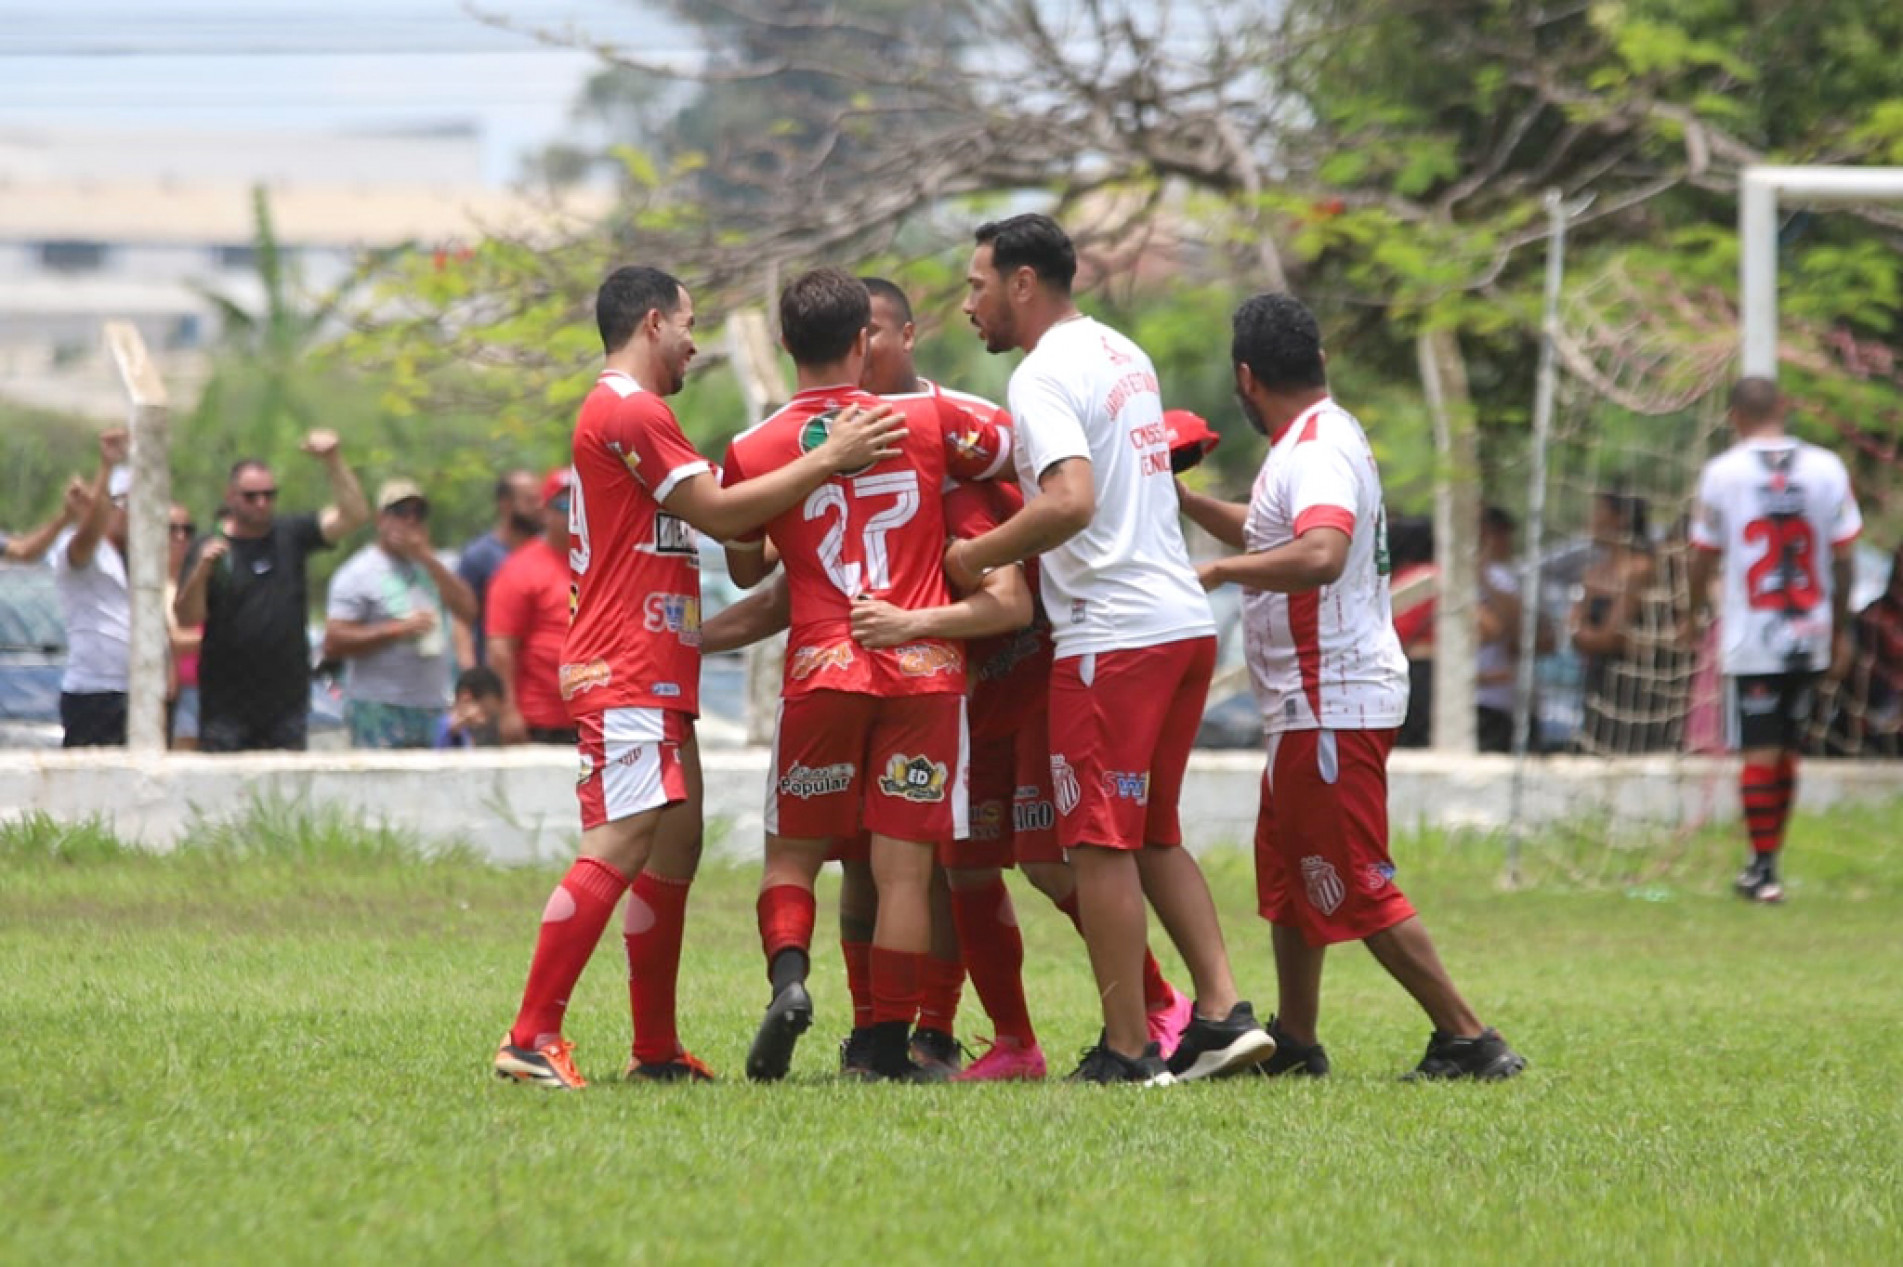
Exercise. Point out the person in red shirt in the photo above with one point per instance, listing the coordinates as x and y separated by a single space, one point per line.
872 736
527 623
630 667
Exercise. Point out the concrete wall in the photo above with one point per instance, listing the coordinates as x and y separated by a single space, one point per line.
518 805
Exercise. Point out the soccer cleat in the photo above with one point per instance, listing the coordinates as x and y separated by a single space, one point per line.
855 1054
1217 1049
1104 1067
552 1066
1005 1062
1301 1060
787 1017
1167 1023
685 1067
937 1052
1758 884
1485 1058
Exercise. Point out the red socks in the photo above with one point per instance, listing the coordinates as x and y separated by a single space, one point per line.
1157 994
895 977
994 955
1766 790
786 913
940 982
572 923
858 956
656 915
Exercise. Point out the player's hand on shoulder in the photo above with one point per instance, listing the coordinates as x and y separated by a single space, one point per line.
877 624
861 436
963 577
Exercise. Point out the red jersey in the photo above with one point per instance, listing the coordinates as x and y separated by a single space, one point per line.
528 601
984 429
634 640
878 531
1011 672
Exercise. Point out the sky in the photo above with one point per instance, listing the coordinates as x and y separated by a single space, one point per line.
336 65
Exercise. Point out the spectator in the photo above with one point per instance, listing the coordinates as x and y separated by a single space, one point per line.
1868 721
31 547
89 575
1496 662
474 711
247 586
385 621
528 621
518 519
1623 628
1413 585
186 641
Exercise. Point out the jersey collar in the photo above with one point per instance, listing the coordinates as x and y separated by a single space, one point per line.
1301 418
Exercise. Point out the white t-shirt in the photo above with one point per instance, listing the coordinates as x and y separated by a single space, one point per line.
1328 658
1775 508
97 607
1126 581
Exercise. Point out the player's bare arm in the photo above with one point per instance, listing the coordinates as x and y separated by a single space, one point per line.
1312 560
1843 576
750 562
1220 519
1066 503
349 509
752 619
30 547
1703 569
1001 604
857 438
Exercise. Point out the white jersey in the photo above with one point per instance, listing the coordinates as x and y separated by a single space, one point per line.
96 605
1125 581
1328 658
1775 508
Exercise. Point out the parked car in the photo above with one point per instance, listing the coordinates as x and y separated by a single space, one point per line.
32 657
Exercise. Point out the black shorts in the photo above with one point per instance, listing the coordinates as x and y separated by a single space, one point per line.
96 719
1769 710
240 732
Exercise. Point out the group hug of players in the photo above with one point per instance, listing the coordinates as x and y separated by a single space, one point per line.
1026 697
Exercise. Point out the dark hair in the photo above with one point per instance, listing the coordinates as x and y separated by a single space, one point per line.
1276 336
1499 519
1031 241
246 464
821 313
1410 540
1754 399
480 682
880 288
1630 512
627 297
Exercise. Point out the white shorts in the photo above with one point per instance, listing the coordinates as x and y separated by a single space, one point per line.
630 762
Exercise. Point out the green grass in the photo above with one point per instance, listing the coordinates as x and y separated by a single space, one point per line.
273 1047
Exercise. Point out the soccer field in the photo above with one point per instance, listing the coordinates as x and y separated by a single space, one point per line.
281 1055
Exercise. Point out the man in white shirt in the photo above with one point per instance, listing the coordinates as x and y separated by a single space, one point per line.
1332 681
1780 516
89 577
1135 643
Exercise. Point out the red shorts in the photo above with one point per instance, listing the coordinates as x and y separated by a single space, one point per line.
854 848
1012 818
1321 837
630 762
1122 724
843 761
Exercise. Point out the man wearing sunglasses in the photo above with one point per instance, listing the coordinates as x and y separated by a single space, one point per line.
247 585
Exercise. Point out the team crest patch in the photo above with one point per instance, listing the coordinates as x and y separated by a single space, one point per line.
814 432
1323 882
914 778
1064 784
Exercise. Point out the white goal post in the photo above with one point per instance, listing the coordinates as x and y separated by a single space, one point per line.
1758 190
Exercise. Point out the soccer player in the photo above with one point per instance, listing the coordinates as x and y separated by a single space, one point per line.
1332 682
863 736
630 669
1769 509
1135 643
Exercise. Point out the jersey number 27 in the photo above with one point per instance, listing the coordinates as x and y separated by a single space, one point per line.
848 575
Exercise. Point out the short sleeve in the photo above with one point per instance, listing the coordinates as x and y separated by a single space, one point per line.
57 555
1046 422
1846 525
307 534
508 612
977 444
1708 521
650 441
1324 487
350 596
474 567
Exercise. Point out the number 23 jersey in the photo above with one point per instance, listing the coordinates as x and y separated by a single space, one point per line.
1776 508
879 531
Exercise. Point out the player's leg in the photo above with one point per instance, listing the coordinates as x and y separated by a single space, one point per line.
858 912
634 772
653 923
1298 965
1756 709
901 944
941 981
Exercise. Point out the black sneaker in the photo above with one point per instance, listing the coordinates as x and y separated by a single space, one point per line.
1104 1066
888 1057
1299 1060
787 1017
1486 1058
855 1054
1216 1049
1758 884
937 1052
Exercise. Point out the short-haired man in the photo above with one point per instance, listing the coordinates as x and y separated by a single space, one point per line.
630 669
1135 643
527 619
247 585
1332 682
1770 509
385 621
89 579
473 711
518 520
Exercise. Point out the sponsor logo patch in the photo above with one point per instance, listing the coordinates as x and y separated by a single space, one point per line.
665 690
1030 811
1023 646
987 820
925 659
1325 889
1064 784
806 782
579 679
678 614
810 660
1128 787
1376 876
917 779
674 535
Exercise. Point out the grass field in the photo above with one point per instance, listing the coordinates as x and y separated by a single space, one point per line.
279 1053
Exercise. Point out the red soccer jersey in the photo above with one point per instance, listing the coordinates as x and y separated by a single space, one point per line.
878 531
635 637
1011 673
528 601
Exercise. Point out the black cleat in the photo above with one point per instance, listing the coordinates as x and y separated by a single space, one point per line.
855 1054
1299 1060
1485 1058
1758 884
1104 1067
787 1017
1217 1049
937 1052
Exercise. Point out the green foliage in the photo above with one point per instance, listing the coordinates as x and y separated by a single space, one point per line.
36 837
43 449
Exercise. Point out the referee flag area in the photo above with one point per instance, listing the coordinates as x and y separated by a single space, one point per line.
272 1045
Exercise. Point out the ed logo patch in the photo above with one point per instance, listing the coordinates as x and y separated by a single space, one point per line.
918 779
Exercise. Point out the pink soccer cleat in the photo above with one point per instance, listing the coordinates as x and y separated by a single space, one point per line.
1168 1023
1005 1062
